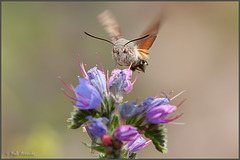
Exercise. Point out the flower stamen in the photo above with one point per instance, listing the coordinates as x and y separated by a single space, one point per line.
70 96
170 120
148 141
84 70
100 63
177 95
164 94
59 77
181 103
107 75
170 93
130 66
78 105
135 78
81 69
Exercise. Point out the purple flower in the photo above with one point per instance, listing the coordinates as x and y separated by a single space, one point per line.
142 107
97 127
98 80
157 115
119 83
151 102
87 96
95 77
128 110
126 133
136 145
159 101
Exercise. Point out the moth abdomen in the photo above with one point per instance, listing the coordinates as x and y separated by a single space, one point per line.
140 65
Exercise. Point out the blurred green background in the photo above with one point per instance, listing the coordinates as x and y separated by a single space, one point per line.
196 50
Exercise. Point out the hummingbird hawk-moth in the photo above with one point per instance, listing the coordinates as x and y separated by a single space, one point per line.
128 52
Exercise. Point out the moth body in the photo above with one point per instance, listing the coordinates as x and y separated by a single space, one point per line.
128 52
124 54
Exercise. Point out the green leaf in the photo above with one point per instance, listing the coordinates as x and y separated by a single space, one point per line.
106 104
102 156
157 133
111 104
132 155
114 123
77 124
139 122
132 120
78 117
102 107
99 148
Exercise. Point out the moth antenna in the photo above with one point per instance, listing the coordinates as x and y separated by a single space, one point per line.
137 39
98 38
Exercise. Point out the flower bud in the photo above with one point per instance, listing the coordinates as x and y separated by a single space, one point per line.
126 133
106 140
136 145
119 83
97 127
157 114
128 110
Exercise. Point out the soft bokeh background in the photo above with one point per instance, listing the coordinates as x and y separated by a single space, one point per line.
196 50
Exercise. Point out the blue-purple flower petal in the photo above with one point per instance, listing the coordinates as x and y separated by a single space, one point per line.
128 110
97 127
88 97
136 145
98 80
156 115
126 133
119 84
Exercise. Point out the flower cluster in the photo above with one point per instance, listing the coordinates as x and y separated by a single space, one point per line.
118 134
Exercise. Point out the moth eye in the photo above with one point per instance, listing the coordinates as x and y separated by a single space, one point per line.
115 51
143 62
125 50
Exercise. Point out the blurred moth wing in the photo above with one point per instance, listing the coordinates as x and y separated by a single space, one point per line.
110 25
145 44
